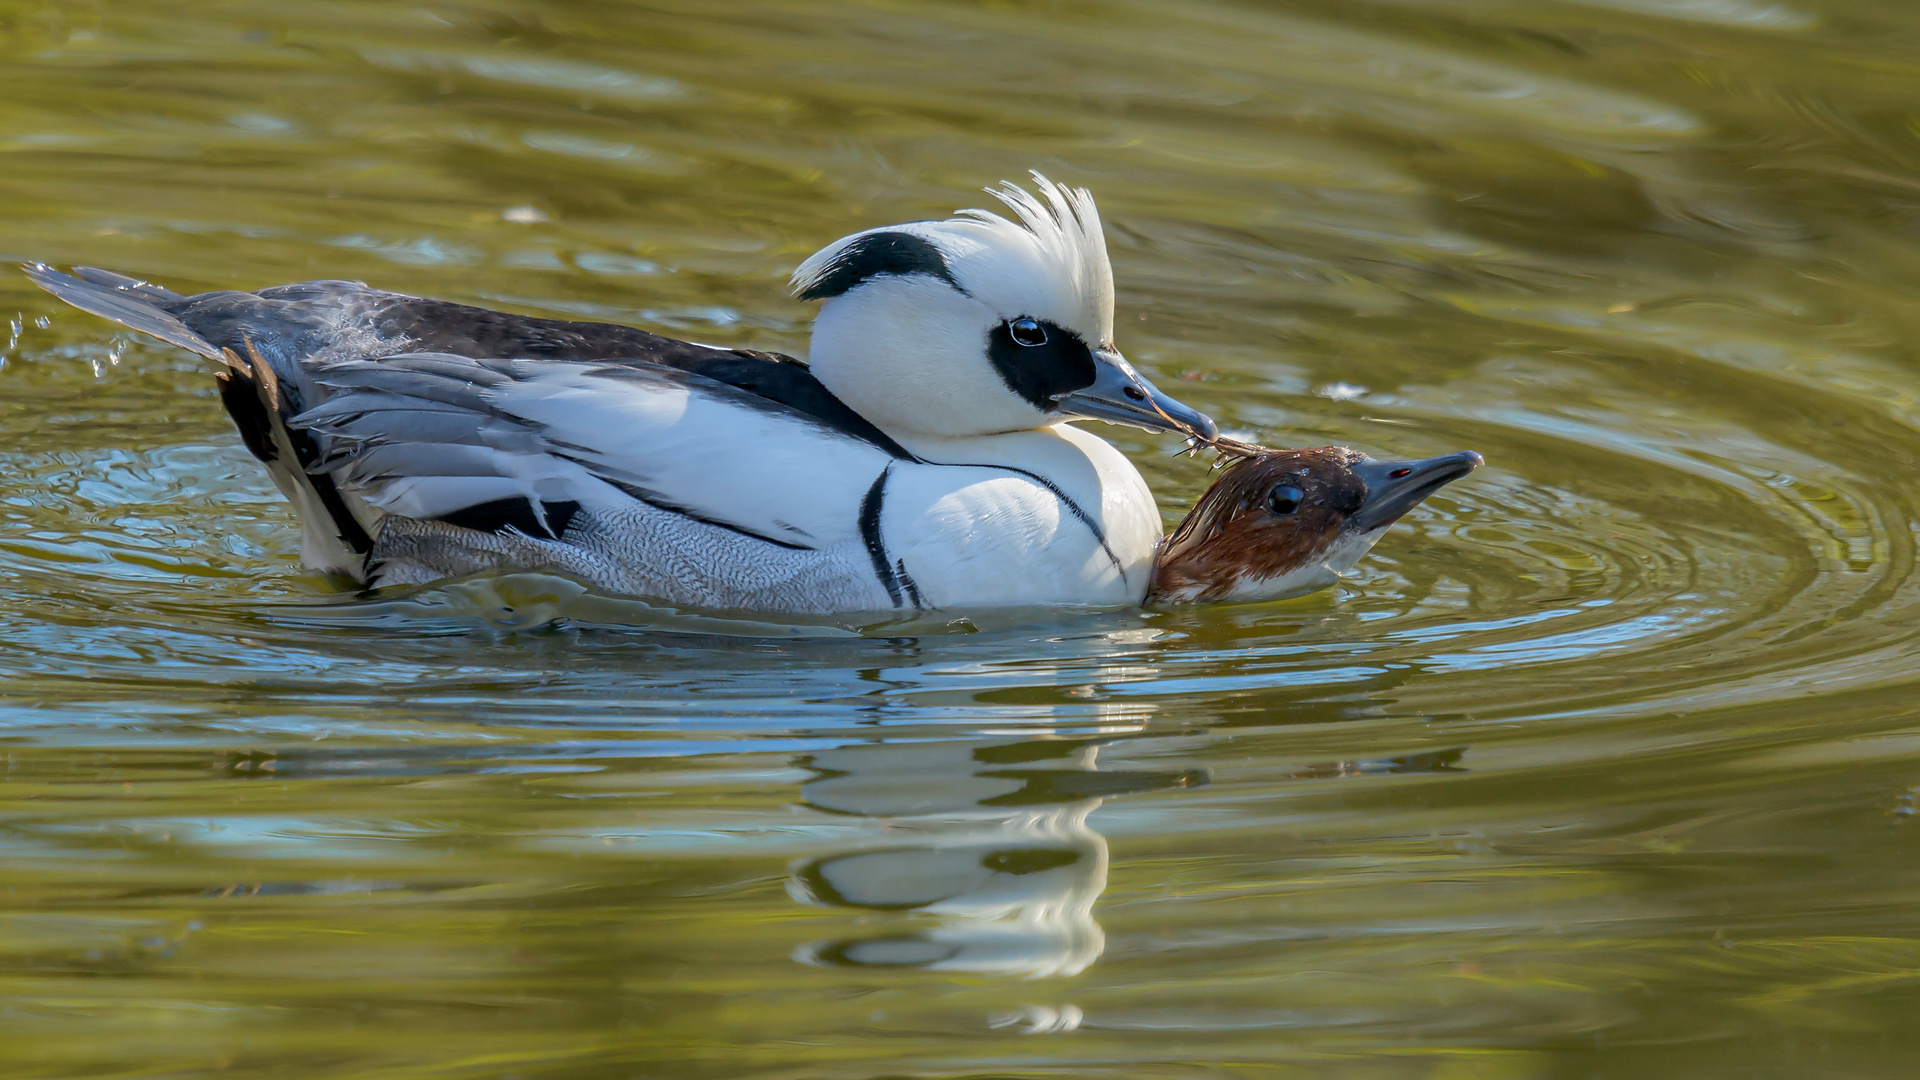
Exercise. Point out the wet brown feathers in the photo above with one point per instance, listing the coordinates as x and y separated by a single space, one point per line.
1232 535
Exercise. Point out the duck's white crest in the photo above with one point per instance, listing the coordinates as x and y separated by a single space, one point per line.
1052 262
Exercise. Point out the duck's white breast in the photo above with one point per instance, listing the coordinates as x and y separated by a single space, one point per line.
1048 517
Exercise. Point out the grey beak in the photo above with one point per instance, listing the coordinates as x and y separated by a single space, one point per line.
1121 395
1395 487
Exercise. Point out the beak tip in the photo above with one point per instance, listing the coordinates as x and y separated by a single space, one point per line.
1395 487
1121 395
1179 417
1184 418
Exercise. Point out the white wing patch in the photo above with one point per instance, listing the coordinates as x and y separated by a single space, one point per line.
425 435
716 453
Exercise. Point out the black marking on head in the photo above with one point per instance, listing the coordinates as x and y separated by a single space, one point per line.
1044 373
870 534
874 255
516 513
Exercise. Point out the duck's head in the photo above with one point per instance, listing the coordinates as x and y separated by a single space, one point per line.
1281 523
979 325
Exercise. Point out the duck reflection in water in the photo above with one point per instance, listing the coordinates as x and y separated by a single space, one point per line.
997 870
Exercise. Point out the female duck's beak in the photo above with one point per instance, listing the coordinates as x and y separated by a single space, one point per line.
1122 395
1395 487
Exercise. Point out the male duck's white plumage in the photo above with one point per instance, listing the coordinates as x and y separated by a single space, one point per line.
921 460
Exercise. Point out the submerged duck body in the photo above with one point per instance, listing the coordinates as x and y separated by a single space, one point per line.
921 460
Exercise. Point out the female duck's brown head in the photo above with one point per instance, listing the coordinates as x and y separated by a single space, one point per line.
1279 523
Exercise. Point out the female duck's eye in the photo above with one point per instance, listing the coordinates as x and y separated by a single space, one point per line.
1284 499
1027 332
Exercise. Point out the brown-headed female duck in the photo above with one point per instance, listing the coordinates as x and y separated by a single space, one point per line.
1279 523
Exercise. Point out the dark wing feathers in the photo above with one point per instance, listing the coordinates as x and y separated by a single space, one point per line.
396 376
380 426
241 396
437 326
791 383
416 439
547 521
362 386
463 370
252 398
311 318
388 460
344 409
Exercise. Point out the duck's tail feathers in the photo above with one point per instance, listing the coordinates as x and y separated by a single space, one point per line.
112 280
334 537
131 303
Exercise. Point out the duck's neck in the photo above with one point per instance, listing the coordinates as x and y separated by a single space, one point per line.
1058 450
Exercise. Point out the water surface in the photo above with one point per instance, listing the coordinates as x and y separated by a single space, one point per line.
1605 763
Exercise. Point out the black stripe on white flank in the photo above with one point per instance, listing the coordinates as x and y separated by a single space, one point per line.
876 545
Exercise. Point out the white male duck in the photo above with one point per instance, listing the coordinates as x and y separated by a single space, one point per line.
920 460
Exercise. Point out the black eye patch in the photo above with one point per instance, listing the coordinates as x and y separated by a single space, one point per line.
1042 373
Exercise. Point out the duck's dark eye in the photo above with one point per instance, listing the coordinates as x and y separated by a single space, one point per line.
1284 499
1027 332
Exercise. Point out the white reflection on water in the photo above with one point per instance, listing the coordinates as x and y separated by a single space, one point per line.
990 860
544 73
1726 12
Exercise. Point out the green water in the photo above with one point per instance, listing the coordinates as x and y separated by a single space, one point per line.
1605 764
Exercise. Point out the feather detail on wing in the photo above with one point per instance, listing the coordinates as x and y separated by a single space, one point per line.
430 435
336 535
